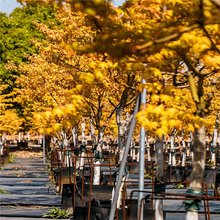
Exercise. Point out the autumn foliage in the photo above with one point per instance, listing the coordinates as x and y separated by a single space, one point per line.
92 63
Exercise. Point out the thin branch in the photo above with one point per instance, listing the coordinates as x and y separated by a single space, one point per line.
112 103
188 63
91 105
181 83
202 68
214 47
132 100
109 117
183 87
204 75
211 73
142 48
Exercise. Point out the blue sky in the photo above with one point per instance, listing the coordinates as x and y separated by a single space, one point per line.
7 6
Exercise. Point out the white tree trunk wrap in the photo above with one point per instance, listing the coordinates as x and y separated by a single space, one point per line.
183 159
170 159
199 155
121 153
158 209
82 160
120 192
138 156
97 173
83 126
172 148
159 177
183 154
192 216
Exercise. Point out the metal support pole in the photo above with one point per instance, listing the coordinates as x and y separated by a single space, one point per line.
123 162
44 149
142 159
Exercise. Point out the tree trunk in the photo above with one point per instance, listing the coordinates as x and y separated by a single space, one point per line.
97 173
1 145
119 124
83 126
183 153
159 186
148 151
199 152
92 131
47 144
75 136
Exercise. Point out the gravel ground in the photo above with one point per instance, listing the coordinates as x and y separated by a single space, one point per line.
26 154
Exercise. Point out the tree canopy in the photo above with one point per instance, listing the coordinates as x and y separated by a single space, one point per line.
172 44
19 37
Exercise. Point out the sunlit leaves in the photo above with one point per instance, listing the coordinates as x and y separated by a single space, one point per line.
59 118
10 123
165 112
102 53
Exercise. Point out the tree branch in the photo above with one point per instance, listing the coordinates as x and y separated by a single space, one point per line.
204 75
214 47
211 73
188 63
142 48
